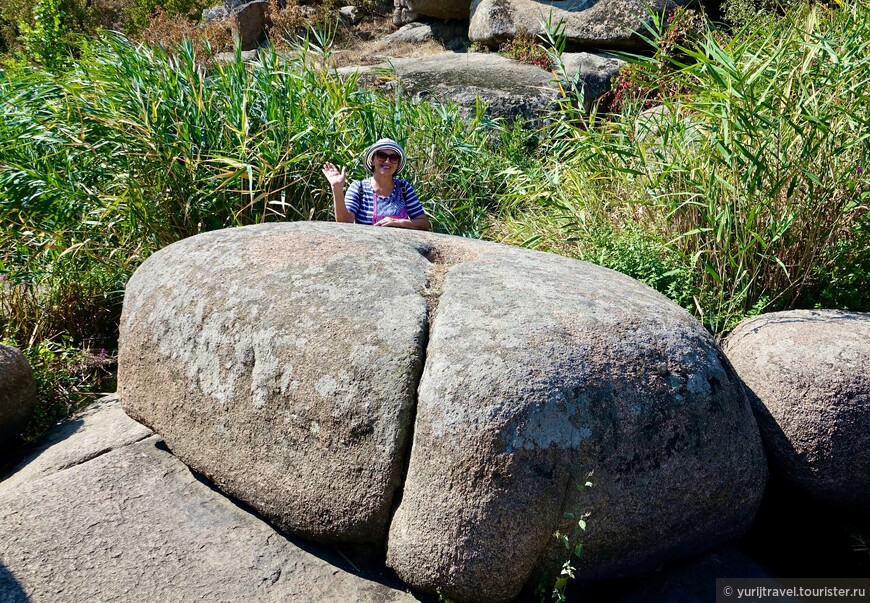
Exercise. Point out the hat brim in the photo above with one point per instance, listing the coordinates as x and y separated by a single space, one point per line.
384 145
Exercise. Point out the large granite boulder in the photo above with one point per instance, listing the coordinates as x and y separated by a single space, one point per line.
293 363
102 512
17 397
606 24
508 88
808 380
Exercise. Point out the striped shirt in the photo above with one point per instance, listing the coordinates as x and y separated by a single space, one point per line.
359 200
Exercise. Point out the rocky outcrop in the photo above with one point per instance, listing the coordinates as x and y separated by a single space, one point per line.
588 25
292 363
508 89
17 397
410 10
806 373
102 512
247 20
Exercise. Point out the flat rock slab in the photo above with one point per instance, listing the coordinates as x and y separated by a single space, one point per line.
133 524
100 428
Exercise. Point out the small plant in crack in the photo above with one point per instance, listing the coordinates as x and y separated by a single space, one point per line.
573 547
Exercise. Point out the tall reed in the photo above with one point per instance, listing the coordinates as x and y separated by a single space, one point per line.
753 176
136 147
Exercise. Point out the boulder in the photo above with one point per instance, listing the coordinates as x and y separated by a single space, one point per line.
453 9
508 88
214 13
112 516
291 364
590 74
17 397
284 369
249 23
588 25
350 15
451 35
807 378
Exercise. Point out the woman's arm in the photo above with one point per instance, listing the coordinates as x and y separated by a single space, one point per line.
418 223
412 203
336 180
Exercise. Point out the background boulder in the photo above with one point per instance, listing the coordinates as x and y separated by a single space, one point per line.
410 10
284 362
510 89
17 397
606 24
807 375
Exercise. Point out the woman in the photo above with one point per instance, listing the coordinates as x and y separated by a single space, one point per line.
383 199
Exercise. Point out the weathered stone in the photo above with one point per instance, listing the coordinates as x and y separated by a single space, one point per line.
450 34
249 23
133 524
17 397
282 362
808 381
214 13
102 427
509 89
591 74
540 369
440 9
350 15
606 24
230 57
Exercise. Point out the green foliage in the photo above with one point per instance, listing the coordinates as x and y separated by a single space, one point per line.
573 549
752 177
67 379
649 81
43 41
526 48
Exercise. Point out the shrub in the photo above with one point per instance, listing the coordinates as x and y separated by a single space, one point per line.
525 48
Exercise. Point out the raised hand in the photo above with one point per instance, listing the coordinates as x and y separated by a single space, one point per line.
335 176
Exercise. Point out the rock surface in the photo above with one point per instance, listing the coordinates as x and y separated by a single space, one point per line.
17 397
509 89
102 427
539 370
129 522
440 9
284 362
808 380
589 25
284 368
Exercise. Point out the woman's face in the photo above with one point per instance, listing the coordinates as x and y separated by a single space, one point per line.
386 162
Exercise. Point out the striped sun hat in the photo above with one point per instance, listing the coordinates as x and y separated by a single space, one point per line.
384 144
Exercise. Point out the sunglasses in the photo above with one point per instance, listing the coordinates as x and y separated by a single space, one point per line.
391 157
